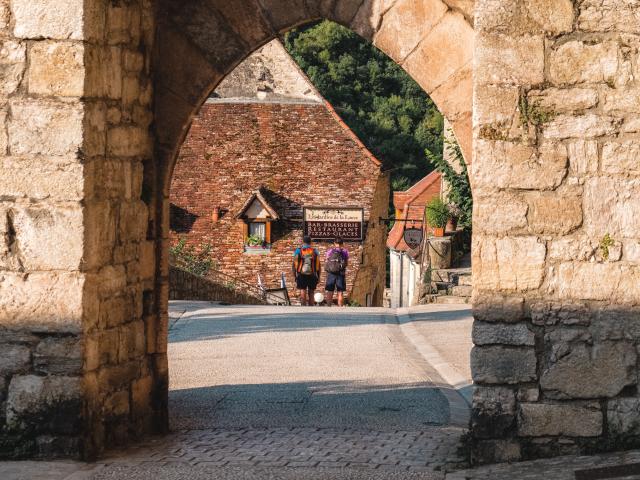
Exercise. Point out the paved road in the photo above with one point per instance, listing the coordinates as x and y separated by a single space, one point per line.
345 394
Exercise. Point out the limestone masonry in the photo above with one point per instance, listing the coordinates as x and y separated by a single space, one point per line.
97 98
267 129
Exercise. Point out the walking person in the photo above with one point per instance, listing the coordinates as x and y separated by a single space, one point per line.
306 270
336 267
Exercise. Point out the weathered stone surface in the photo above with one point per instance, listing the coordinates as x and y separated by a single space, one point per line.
566 313
59 356
44 127
515 165
632 251
508 263
538 419
554 213
530 16
48 398
574 247
623 416
557 100
57 19
582 126
38 178
500 212
496 308
497 451
494 410
621 157
620 101
590 372
581 62
128 141
13 64
497 333
498 364
583 157
405 24
14 359
430 63
42 301
609 206
499 104
576 281
49 238
551 16
609 16
504 59
56 68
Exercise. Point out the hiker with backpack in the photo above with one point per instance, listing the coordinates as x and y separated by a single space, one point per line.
306 270
336 267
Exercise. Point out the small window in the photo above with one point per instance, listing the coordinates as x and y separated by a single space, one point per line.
258 229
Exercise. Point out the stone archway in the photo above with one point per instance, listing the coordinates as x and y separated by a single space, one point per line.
83 268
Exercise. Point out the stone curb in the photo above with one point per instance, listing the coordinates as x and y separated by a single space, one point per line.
453 383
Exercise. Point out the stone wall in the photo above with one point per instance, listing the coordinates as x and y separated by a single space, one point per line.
74 261
556 231
184 285
300 154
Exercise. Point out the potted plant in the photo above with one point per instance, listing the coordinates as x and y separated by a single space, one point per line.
254 242
437 216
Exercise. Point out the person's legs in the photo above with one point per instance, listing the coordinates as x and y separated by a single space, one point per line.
312 300
330 286
341 286
303 297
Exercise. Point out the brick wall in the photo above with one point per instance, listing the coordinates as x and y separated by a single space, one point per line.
301 155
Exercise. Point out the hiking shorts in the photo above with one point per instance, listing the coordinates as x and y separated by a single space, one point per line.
306 282
336 282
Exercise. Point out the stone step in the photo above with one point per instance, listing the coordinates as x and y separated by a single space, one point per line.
450 299
465 279
462 290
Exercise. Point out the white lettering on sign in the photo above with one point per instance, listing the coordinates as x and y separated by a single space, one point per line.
329 223
333 215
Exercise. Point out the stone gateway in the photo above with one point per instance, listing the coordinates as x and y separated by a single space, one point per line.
98 97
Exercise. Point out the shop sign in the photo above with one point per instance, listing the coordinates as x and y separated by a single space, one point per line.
327 223
413 237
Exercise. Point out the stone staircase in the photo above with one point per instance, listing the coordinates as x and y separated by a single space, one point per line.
453 285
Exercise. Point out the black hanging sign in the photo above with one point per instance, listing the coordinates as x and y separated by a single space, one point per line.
413 237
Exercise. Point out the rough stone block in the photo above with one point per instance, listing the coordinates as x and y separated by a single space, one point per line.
581 126
56 68
530 16
554 212
13 63
505 59
581 62
495 104
576 281
56 19
508 263
103 71
518 166
52 399
14 359
577 247
498 333
499 212
49 238
602 370
583 157
498 308
128 142
44 127
609 16
494 410
117 404
623 416
621 157
405 24
47 302
620 100
578 420
59 356
431 63
38 178
609 206
557 100
498 364
141 394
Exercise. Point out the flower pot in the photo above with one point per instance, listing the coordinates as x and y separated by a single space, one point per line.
452 224
438 231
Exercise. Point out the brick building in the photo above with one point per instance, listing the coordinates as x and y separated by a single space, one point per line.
263 147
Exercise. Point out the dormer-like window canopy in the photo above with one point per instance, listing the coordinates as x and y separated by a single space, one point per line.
256 216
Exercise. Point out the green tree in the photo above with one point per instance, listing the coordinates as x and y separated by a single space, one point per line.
385 107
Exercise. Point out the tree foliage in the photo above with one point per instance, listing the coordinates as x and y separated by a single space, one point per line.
385 107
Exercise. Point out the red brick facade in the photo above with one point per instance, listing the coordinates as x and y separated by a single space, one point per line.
299 154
